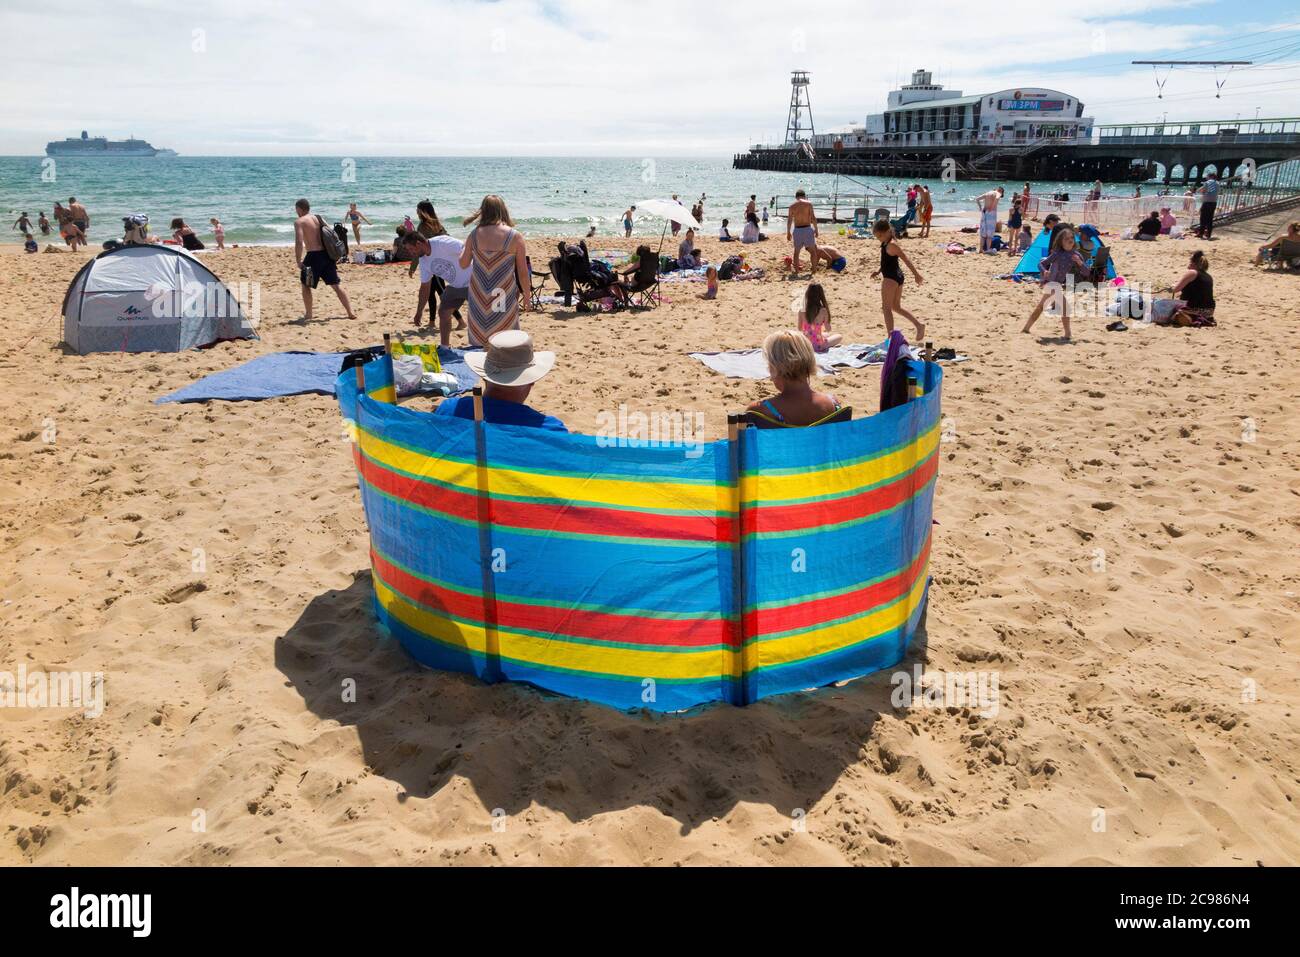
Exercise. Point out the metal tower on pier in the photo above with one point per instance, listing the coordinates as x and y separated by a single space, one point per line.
799 126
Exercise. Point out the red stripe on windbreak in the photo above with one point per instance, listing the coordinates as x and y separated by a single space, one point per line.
772 620
632 629
576 519
811 515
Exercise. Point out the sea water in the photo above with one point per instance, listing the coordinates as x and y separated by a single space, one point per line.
548 196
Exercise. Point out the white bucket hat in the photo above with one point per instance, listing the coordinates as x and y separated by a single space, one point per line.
510 360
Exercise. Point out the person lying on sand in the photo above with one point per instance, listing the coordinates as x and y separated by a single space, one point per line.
792 365
508 367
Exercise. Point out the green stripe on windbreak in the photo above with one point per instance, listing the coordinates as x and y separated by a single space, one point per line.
538 500
821 654
801 469
535 470
555 669
547 603
551 635
836 526
832 496
547 533
774 635
834 592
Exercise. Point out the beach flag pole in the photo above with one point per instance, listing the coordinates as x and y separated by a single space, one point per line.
735 431
491 638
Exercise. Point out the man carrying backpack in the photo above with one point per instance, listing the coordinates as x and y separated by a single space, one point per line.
317 249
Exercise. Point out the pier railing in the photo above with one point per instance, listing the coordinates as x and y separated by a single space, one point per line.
1273 186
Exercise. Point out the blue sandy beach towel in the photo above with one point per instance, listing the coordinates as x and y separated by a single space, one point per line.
293 373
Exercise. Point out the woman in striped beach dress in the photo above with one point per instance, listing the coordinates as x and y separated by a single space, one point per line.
499 285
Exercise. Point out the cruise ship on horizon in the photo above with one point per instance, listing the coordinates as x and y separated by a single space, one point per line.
88 145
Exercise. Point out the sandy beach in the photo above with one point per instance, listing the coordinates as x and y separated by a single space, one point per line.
1117 538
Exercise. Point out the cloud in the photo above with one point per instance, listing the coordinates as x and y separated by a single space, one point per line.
544 76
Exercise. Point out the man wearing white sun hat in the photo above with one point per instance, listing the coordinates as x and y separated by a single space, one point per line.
508 368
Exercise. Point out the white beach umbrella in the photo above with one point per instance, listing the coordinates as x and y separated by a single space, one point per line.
670 210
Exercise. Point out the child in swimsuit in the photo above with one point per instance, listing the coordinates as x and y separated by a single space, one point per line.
712 291
815 319
219 232
891 275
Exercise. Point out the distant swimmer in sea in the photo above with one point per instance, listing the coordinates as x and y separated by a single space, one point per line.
79 215
355 218
43 223
23 224
801 230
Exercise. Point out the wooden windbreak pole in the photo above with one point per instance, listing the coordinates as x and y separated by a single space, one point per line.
388 358
491 637
735 431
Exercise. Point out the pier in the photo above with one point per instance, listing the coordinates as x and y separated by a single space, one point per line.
1173 153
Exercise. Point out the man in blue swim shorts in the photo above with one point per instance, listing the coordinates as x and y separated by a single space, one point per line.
801 229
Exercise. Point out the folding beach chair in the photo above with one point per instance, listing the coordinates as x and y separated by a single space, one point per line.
764 421
537 282
1286 255
860 220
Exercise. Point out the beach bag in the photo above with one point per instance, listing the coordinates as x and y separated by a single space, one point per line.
408 371
728 268
426 352
330 242
360 357
601 274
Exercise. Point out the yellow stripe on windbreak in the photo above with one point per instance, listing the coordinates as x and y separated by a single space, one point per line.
597 660
819 641
637 493
836 480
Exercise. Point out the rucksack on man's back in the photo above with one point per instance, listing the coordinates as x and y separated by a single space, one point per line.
333 247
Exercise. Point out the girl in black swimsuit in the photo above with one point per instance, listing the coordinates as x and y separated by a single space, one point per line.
891 286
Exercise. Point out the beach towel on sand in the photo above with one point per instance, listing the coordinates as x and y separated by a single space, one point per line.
750 364
292 373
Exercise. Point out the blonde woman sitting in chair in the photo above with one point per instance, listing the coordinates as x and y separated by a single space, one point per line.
792 365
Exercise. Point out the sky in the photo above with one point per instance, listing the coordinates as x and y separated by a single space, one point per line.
594 77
